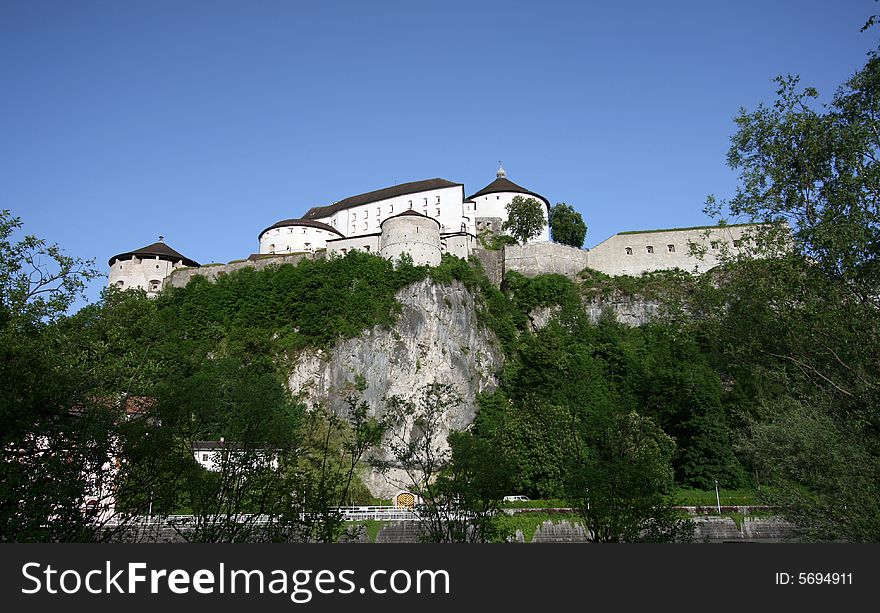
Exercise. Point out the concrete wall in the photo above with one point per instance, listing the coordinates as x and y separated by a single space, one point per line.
708 530
294 239
136 273
536 259
633 253
417 236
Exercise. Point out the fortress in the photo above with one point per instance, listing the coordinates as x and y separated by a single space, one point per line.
426 219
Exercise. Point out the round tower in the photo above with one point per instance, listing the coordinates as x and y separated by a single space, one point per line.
146 268
412 233
490 204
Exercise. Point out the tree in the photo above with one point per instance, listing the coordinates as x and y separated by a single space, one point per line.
460 484
800 329
621 479
55 440
567 227
525 218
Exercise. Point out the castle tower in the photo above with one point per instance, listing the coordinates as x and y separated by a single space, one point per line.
490 204
413 233
146 268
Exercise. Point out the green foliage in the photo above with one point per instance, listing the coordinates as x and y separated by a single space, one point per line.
495 242
525 218
798 331
567 227
621 478
528 522
311 304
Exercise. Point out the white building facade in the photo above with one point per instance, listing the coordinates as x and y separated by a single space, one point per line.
146 268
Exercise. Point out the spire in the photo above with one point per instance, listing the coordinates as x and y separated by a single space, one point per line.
161 239
501 174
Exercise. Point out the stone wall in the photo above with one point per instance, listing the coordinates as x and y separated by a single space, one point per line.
708 530
632 253
492 263
536 259
181 276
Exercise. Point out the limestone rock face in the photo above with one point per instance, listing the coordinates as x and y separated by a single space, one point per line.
436 339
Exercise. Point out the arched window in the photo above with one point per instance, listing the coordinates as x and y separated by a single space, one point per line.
629 250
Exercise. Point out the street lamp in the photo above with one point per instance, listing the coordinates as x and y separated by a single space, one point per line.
717 497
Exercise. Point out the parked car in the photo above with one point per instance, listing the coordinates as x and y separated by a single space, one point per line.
515 499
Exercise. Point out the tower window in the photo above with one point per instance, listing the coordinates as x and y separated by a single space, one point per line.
629 250
438 213
650 248
438 199
714 244
737 244
670 248
154 285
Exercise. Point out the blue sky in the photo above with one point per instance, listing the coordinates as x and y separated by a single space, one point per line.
208 121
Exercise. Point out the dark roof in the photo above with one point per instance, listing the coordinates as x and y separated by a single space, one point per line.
380 194
502 184
160 250
410 213
301 222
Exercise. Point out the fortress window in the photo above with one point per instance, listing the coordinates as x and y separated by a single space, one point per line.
365 225
154 285
650 248
119 284
438 199
670 248
354 216
737 244
714 244
304 230
438 213
426 201
378 211
390 208
410 204
629 250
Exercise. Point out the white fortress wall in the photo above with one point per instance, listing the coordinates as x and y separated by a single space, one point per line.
417 236
443 204
460 245
632 253
147 273
341 246
495 205
294 239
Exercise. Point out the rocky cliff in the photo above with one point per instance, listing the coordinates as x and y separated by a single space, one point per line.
436 338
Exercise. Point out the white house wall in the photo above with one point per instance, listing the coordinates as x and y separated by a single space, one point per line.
294 239
443 204
495 205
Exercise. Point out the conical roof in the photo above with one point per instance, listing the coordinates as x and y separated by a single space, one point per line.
158 249
503 184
